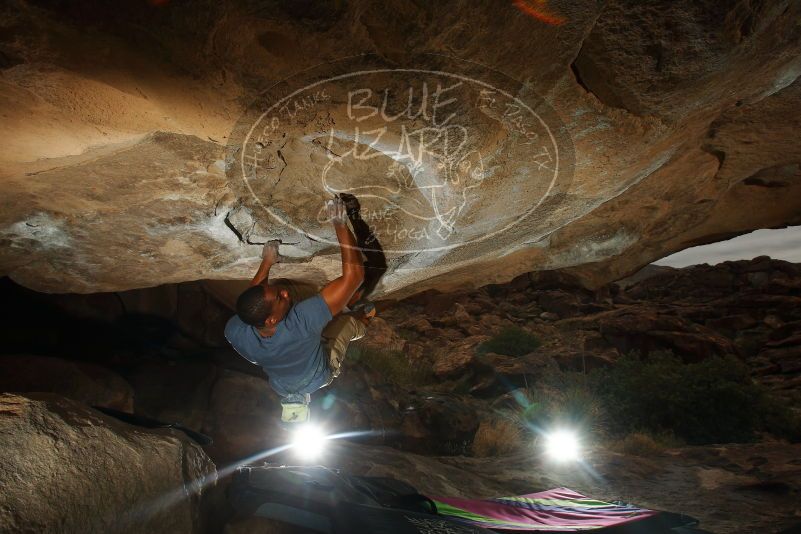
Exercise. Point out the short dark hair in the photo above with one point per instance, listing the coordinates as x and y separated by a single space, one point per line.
251 306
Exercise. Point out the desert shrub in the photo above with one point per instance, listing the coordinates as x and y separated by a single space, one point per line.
578 404
511 341
496 437
778 418
392 365
646 443
563 399
713 401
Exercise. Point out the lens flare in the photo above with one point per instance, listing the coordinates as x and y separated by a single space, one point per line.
308 441
562 446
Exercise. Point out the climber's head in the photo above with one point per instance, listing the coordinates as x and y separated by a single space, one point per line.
263 306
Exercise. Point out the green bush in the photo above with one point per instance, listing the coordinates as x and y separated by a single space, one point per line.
511 341
662 398
713 401
779 419
392 365
565 399
564 402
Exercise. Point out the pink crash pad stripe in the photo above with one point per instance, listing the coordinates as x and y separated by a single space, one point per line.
557 509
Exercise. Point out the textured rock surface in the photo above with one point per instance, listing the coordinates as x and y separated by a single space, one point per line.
84 382
67 468
243 416
745 309
683 117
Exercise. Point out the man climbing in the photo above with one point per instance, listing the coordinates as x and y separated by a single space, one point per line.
301 345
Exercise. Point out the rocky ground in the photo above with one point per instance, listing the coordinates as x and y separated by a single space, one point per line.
418 383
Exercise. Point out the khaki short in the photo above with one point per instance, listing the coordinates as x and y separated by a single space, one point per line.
337 335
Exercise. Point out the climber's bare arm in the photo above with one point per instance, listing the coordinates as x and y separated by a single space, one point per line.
338 292
269 257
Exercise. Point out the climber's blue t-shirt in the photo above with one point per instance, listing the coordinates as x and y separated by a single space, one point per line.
294 357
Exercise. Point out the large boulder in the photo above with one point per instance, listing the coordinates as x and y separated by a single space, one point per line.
458 358
69 469
176 393
243 417
381 336
659 125
643 329
85 382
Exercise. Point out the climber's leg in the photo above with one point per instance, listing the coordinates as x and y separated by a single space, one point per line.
338 334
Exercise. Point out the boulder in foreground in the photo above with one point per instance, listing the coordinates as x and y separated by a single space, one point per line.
67 468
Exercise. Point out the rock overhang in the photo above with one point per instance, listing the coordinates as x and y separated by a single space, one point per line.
141 187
